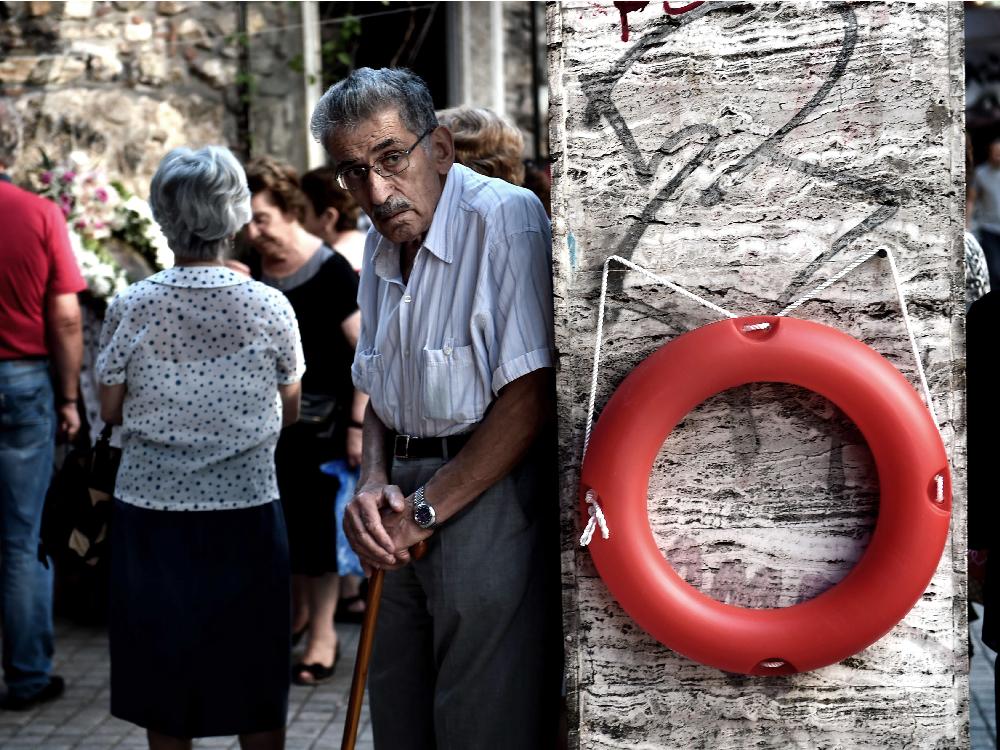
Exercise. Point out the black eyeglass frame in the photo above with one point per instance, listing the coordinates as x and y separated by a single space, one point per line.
376 165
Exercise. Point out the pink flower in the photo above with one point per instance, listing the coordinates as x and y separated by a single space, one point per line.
68 176
80 224
101 194
46 178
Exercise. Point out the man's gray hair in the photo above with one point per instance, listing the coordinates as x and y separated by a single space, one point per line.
366 93
10 132
200 199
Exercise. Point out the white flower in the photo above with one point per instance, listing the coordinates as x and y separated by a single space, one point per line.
79 160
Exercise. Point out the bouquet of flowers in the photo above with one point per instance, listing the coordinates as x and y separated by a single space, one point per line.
111 231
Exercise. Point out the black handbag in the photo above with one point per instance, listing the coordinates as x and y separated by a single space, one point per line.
321 412
77 514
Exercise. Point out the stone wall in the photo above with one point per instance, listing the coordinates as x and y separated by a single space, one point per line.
127 81
748 152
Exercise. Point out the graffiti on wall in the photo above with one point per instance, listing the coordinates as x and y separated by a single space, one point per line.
597 88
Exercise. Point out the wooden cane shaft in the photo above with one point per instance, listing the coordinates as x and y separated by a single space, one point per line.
361 663
365 643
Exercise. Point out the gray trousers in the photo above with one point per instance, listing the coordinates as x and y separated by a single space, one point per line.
468 648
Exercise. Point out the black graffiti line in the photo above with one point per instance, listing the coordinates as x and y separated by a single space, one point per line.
638 227
871 222
598 93
713 194
600 105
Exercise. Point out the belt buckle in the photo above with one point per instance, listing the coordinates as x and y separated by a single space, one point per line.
403 452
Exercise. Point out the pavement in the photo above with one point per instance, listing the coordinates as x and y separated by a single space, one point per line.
80 719
982 708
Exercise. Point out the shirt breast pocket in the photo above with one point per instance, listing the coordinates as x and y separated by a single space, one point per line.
452 390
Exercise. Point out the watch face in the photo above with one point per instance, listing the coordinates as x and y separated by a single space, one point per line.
423 515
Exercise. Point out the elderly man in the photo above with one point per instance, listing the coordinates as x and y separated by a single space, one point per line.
456 352
40 331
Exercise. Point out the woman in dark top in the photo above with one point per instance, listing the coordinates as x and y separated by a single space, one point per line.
322 289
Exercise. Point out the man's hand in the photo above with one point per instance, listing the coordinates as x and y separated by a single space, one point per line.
404 532
68 421
363 524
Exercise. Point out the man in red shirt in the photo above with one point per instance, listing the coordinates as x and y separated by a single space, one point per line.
41 346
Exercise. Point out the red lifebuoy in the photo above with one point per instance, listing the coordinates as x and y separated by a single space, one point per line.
914 482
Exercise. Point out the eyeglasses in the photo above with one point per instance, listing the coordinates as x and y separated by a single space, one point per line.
355 176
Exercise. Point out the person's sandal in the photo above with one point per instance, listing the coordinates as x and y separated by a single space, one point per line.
318 672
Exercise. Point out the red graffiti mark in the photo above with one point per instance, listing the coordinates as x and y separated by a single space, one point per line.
627 7
668 8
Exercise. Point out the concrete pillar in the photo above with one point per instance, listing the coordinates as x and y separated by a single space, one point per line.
476 55
748 152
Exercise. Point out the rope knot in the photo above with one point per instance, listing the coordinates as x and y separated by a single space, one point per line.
596 519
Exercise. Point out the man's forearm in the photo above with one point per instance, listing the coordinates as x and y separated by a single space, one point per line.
65 340
374 461
521 411
359 406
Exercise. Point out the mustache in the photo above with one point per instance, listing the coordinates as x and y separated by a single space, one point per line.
393 205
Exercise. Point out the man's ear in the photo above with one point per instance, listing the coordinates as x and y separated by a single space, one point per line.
329 218
442 150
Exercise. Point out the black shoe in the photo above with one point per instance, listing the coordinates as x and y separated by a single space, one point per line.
317 672
48 693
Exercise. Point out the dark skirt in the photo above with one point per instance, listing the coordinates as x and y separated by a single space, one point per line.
200 620
308 498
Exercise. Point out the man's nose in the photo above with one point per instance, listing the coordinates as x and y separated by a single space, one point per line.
380 188
252 231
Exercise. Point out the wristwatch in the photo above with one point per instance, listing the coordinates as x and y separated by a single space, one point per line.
423 512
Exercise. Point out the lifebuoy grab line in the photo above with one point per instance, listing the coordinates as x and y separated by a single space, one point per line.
909 456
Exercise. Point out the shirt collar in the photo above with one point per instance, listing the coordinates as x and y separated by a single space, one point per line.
386 254
198 277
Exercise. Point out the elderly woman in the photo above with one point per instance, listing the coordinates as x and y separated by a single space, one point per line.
485 142
201 366
322 289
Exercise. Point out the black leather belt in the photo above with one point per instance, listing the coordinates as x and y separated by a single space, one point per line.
407 446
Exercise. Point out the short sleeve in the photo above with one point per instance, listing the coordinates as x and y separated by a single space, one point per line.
64 273
114 346
362 369
287 341
522 308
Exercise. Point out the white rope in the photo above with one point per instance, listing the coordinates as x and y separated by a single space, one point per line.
913 338
596 519
600 326
939 480
887 252
830 282
756 327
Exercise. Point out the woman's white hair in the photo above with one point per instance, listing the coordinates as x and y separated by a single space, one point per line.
200 199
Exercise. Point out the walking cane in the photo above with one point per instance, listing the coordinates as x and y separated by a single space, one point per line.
365 651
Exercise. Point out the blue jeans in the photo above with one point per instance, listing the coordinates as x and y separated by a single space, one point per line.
27 443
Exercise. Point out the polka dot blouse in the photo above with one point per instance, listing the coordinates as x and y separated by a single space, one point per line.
201 351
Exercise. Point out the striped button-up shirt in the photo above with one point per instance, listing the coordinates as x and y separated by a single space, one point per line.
475 315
